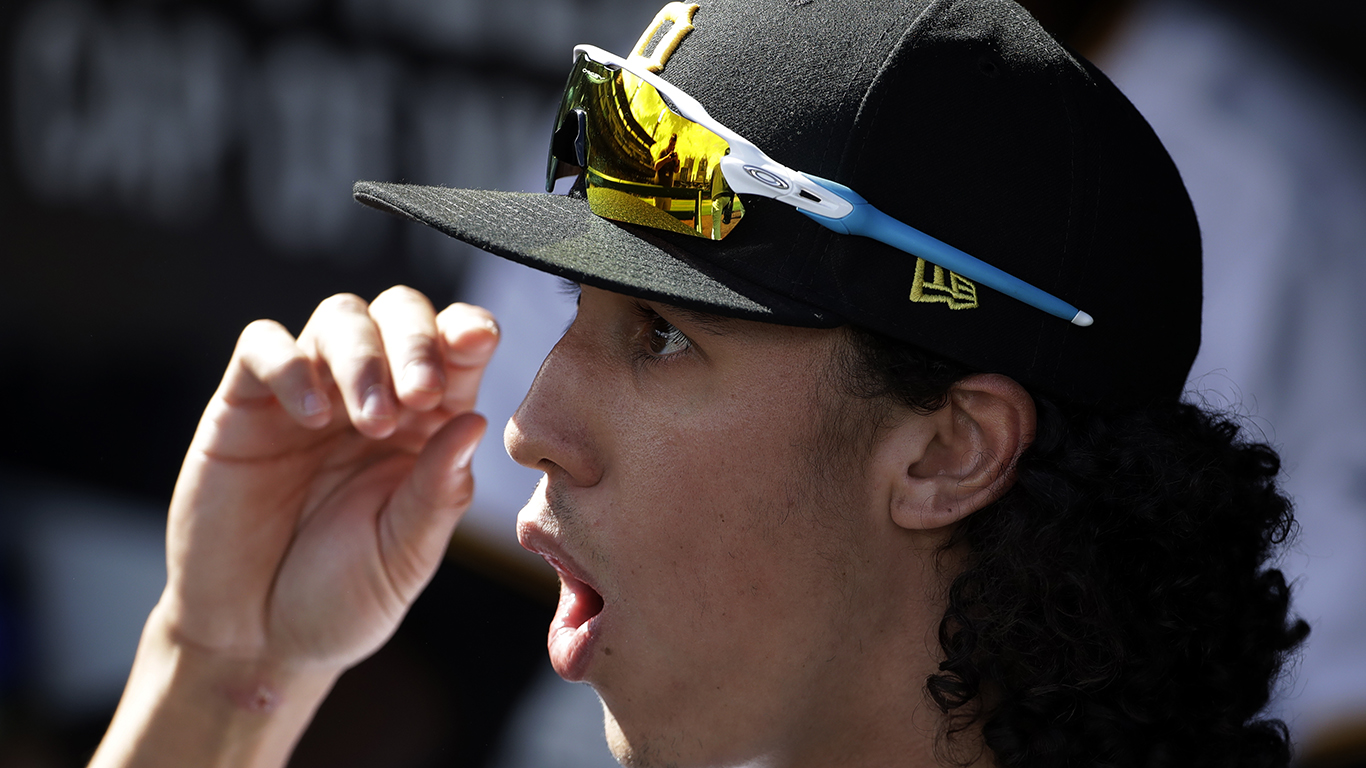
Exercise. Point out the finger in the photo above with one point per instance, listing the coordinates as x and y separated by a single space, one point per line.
416 525
344 337
469 335
407 326
268 364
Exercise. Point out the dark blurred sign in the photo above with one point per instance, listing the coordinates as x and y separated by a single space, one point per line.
170 171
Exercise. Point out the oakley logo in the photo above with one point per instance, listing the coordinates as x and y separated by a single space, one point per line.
661 38
942 287
766 177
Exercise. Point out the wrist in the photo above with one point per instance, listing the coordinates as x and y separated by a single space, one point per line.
189 705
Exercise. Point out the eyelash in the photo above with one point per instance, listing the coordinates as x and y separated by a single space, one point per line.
569 288
656 329
572 290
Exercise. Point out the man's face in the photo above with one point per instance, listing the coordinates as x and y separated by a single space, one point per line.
732 583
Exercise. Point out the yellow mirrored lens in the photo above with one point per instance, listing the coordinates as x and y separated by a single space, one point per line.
647 165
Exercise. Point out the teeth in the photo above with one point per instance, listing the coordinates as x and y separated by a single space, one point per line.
582 602
579 602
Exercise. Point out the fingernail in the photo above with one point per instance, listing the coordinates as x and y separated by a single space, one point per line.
486 346
372 405
462 459
421 375
313 403
473 353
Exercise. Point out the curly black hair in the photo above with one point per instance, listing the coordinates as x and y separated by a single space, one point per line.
1116 608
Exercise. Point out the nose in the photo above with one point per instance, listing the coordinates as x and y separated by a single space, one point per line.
557 428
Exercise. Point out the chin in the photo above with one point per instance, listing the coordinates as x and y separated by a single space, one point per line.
616 741
640 752
661 751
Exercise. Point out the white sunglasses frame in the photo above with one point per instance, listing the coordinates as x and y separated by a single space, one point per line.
749 171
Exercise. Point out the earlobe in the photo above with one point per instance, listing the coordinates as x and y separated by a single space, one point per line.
962 457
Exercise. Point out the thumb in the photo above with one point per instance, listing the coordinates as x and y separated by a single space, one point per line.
416 525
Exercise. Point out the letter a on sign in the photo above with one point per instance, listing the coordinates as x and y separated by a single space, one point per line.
661 38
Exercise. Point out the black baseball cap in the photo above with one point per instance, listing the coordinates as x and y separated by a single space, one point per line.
962 118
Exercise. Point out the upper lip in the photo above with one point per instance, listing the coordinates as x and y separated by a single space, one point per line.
534 539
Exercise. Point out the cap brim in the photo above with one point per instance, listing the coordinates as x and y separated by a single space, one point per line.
560 235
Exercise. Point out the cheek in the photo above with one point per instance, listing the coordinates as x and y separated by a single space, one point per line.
725 510
714 468
726 520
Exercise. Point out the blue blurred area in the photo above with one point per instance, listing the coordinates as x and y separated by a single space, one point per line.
170 172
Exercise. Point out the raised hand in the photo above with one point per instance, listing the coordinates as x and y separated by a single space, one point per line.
315 502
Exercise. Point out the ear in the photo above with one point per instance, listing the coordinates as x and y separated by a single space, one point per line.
943 467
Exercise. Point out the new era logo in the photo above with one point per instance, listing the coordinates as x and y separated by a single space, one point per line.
936 285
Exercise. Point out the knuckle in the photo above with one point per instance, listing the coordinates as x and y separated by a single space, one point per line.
463 495
289 369
348 303
370 365
257 330
260 335
421 345
356 356
401 294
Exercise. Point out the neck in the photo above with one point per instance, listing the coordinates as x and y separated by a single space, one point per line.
872 708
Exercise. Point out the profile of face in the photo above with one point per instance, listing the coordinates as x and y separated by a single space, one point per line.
740 584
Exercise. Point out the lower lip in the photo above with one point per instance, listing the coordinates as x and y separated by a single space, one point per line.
572 634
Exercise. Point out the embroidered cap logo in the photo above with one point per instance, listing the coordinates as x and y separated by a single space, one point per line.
956 291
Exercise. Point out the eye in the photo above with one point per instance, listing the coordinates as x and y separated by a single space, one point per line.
658 338
663 339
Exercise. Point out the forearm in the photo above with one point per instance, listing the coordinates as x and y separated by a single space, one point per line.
186 706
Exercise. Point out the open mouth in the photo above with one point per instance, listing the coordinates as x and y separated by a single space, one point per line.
579 603
572 630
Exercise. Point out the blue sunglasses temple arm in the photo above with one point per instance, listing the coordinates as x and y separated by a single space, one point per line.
750 170
867 221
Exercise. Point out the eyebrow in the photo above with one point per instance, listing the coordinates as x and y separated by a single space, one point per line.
715 325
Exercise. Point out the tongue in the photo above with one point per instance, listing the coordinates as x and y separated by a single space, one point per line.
570 631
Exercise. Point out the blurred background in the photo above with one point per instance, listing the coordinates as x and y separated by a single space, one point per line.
171 170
